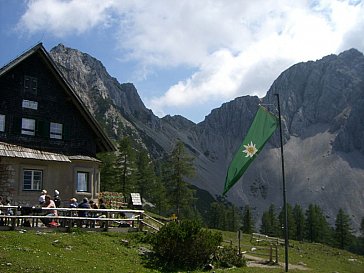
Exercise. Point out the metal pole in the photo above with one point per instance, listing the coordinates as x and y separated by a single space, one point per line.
286 243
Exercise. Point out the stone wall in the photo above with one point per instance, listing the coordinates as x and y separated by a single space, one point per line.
7 180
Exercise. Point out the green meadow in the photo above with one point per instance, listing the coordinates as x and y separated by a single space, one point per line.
40 251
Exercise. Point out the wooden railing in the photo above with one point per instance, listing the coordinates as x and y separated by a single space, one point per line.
151 222
257 237
36 217
271 249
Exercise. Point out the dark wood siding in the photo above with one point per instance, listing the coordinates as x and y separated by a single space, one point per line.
53 105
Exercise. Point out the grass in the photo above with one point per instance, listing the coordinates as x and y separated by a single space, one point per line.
33 251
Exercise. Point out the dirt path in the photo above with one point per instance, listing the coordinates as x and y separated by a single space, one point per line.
253 261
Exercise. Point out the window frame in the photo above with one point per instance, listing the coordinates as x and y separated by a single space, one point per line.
30 85
35 184
80 188
55 131
30 104
2 122
28 130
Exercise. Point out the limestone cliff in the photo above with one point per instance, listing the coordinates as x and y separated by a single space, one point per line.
322 105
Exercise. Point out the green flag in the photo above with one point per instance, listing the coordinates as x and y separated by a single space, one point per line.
263 126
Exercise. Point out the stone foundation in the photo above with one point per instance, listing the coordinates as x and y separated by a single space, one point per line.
7 180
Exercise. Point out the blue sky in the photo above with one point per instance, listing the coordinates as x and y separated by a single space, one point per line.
187 57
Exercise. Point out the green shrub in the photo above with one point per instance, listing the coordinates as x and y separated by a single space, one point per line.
228 257
185 245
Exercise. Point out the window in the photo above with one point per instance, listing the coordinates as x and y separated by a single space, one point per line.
2 123
83 181
30 85
28 126
30 104
56 130
32 180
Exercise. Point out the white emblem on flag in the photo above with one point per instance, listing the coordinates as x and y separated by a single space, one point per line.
250 149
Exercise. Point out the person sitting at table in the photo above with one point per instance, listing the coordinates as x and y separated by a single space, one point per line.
83 213
73 203
57 199
41 198
93 205
49 203
104 213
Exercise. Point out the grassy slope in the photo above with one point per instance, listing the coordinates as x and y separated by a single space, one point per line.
106 252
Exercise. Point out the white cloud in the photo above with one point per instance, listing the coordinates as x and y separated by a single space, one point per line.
61 18
236 47
274 39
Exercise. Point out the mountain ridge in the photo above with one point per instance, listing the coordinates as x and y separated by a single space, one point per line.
323 120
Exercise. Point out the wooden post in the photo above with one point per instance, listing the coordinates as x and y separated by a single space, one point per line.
140 221
270 253
106 227
276 246
239 237
13 223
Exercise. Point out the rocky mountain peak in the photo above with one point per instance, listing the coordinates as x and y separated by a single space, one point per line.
90 78
322 105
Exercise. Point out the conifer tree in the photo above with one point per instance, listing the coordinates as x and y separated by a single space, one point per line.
270 224
361 237
248 224
108 172
299 219
233 217
159 197
342 234
180 166
317 229
126 165
145 175
290 220
216 219
224 215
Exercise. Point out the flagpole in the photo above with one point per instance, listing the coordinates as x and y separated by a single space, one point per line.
286 243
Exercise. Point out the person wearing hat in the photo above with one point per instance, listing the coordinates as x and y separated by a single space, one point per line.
57 199
41 198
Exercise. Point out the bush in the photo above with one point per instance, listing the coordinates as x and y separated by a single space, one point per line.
228 257
185 245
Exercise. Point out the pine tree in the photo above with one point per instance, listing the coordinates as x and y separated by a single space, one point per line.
224 215
342 234
180 166
270 224
215 219
126 165
108 172
248 224
290 220
299 219
233 217
316 229
265 227
145 175
159 197
361 238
